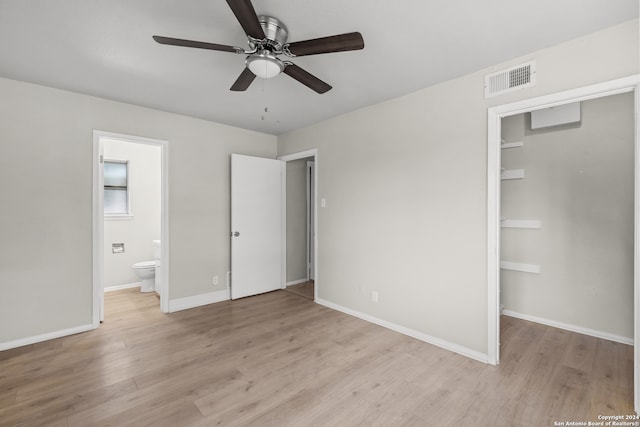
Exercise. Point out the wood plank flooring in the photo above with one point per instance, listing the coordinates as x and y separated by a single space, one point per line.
303 289
281 360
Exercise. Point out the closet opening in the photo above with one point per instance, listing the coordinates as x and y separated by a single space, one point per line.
566 217
563 247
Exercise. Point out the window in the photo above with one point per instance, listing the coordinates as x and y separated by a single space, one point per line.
116 190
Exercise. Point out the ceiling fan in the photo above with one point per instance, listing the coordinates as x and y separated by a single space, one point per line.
267 38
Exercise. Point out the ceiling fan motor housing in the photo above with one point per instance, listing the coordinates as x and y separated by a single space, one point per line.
264 63
274 30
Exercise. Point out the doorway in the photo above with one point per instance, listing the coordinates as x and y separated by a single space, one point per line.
100 140
495 116
566 249
300 233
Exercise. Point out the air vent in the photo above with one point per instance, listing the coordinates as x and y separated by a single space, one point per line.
510 79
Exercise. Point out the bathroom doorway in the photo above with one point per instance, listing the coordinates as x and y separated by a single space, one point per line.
130 223
495 146
301 228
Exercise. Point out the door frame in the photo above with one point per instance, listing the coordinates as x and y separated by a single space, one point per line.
287 158
495 115
311 219
98 219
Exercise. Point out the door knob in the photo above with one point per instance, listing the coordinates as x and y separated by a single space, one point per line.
235 233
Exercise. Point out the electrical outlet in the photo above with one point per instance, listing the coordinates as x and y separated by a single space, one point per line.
215 280
374 296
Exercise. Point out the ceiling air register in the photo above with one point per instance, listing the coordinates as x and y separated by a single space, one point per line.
510 79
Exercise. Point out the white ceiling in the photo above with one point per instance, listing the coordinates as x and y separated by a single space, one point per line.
104 48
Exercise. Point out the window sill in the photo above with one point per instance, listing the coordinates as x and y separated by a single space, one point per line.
118 217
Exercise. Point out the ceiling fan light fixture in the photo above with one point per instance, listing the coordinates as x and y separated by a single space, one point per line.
264 64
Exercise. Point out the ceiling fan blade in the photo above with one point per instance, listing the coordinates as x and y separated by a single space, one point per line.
306 78
201 45
246 16
243 81
337 43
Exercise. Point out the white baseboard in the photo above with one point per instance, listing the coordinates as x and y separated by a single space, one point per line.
119 287
297 282
44 337
481 357
198 300
568 327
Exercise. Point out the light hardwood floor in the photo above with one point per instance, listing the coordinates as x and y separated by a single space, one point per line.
281 360
303 289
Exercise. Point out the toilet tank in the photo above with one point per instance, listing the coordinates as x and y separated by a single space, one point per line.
156 249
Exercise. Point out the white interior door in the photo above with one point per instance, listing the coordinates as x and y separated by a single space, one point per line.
256 225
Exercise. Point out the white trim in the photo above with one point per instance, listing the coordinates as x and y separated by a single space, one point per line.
494 116
297 282
98 220
307 192
97 237
295 156
598 90
636 250
164 232
310 169
186 303
300 155
283 224
476 355
44 337
520 223
493 236
520 266
120 287
118 217
569 327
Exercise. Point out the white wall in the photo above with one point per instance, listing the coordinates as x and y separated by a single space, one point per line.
404 180
579 184
296 220
46 138
405 188
138 232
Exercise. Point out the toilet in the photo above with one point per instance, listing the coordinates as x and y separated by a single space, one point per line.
146 271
